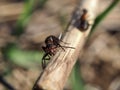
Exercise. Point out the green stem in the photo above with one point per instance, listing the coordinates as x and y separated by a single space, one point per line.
103 15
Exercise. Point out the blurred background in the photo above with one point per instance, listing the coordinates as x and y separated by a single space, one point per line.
24 25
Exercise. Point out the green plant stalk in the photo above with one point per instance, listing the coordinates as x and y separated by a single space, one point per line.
76 80
103 15
25 16
29 4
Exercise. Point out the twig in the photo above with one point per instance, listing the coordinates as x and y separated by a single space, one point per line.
56 73
6 84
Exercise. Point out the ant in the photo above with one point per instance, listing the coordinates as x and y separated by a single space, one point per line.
52 44
83 23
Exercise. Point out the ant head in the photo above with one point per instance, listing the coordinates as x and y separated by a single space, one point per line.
49 40
84 11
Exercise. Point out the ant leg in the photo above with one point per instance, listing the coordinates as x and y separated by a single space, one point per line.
65 47
61 47
44 48
44 61
43 64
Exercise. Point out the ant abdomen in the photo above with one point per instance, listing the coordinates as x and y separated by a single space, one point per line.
83 23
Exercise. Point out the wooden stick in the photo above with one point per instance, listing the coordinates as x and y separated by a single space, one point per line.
59 68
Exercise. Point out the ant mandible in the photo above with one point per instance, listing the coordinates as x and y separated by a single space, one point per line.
52 43
83 24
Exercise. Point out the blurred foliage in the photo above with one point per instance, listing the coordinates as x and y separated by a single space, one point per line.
23 58
26 15
76 79
13 53
26 59
103 15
